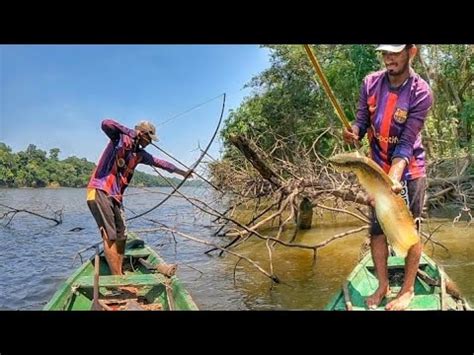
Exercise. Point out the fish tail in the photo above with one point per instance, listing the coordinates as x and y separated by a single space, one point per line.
401 246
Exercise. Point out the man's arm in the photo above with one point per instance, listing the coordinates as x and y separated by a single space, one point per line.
113 129
362 116
415 121
149 159
184 173
396 172
404 149
361 124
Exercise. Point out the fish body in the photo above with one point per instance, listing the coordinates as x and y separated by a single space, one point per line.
392 212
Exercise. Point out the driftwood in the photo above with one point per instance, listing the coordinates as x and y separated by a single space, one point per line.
288 186
58 218
271 185
283 182
258 163
184 235
451 182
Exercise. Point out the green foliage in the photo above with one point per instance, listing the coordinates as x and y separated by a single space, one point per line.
32 168
450 71
287 103
54 153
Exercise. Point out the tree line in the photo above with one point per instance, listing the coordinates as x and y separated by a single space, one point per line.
288 103
34 167
286 128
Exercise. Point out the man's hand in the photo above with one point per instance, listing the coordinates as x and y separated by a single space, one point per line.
396 172
351 135
370 200
185 173
396 187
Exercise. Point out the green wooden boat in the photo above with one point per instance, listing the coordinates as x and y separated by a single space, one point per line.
155 285
433 288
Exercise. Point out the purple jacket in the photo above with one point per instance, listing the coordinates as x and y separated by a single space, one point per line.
393 119
119 159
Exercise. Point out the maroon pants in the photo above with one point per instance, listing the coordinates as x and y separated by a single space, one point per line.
108 214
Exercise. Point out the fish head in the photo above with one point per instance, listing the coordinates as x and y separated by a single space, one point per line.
345 161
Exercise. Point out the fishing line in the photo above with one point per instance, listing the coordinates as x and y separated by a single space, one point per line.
195 107
189 110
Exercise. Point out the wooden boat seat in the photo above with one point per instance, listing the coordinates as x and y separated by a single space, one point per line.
137 252
124 280
136 248
396 262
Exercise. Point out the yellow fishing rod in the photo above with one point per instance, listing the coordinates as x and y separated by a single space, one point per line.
327 89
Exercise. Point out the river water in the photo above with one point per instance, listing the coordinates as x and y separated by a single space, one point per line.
36 256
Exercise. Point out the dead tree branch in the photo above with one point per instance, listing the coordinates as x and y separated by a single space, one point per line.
271 276
12 212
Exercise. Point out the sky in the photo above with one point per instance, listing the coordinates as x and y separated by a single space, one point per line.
55 96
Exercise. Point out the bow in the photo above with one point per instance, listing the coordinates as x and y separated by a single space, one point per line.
193 167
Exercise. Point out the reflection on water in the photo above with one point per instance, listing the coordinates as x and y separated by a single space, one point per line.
36 257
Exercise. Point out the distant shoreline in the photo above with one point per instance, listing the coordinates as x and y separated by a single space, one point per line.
187 183
36 168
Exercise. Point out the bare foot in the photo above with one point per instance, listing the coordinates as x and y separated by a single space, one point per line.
374 300
401 302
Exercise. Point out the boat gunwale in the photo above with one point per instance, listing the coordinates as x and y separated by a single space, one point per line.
339 296
66 287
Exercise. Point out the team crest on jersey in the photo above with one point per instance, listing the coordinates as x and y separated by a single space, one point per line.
400 115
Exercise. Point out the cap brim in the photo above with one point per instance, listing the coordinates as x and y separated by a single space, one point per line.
394 48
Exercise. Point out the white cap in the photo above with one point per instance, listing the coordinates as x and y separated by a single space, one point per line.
394 48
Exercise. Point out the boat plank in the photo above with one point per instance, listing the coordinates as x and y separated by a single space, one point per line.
430 282
125 280
137 253
75 293
395 262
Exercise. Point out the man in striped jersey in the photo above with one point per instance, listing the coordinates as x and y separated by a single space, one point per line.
111 177
393 106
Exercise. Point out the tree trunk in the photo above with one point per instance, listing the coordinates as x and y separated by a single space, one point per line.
305 215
